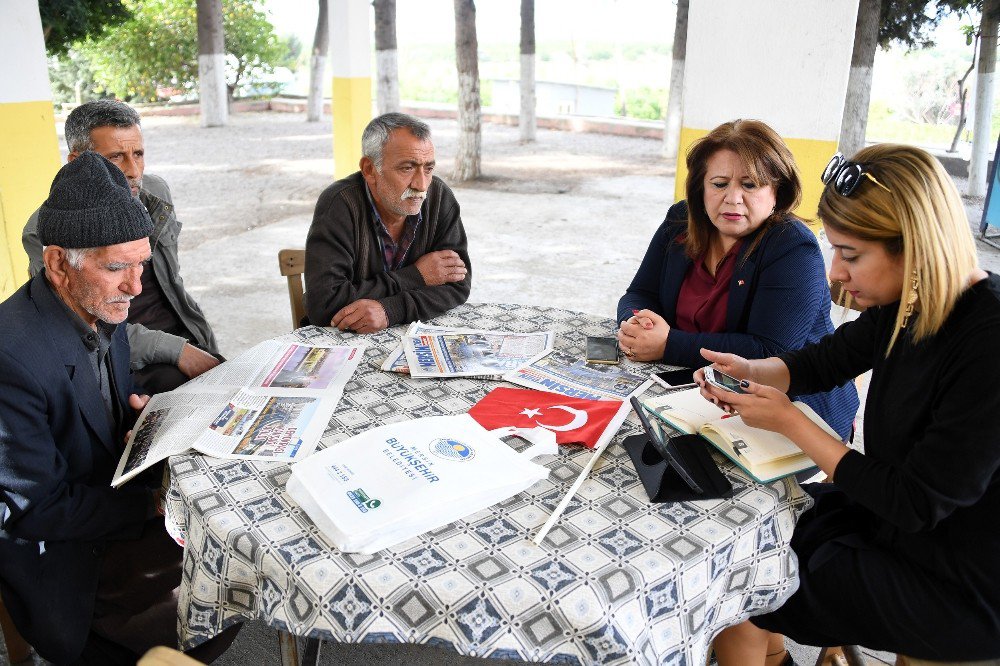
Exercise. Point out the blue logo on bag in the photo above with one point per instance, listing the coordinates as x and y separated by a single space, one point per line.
452 449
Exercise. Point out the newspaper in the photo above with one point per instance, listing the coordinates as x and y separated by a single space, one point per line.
570 375
472 353
396 360
272 402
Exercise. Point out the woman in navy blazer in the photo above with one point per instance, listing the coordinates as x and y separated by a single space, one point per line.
731 269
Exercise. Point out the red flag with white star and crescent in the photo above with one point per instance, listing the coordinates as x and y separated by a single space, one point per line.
573 420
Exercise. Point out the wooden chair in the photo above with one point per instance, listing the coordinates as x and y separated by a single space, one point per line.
17 648
838 296
293 264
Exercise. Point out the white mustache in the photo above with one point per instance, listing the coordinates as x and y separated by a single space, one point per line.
125 298
410 193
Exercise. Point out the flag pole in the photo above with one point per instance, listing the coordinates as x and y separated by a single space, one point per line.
602 443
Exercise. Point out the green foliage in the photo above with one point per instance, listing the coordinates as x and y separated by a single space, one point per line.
68 71
911 22
158 48
643 103
68 21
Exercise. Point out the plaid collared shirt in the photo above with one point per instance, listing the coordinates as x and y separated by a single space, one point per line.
393 253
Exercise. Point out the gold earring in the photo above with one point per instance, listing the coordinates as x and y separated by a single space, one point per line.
911 300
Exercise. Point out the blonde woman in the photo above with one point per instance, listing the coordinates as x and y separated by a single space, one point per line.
899 552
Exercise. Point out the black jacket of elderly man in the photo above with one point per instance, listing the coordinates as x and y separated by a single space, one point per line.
87 571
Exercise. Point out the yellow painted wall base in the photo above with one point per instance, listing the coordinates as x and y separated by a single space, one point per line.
811 155
29 159
352 109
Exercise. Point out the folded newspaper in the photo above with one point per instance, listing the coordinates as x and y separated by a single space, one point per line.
396 360
570 375
393 482
473 353
272 402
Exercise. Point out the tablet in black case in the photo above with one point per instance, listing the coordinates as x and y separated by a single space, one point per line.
688 472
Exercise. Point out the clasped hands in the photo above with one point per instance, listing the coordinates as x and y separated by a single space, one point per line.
367 315
643 336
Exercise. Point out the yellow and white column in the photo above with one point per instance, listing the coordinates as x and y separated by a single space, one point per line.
29 147
350 59
785 62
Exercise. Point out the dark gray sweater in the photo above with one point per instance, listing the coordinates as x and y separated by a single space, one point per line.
344 261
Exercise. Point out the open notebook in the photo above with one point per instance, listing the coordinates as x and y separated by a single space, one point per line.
762 454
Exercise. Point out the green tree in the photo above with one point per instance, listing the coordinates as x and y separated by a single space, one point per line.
71 77
157 47
68 21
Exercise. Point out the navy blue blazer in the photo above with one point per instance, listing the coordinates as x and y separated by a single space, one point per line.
58 453
779 300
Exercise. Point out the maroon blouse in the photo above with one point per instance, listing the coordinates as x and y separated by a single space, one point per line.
703 299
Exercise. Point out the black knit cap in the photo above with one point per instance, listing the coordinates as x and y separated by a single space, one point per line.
90 205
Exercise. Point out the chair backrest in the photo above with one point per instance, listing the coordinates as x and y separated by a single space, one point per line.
293 264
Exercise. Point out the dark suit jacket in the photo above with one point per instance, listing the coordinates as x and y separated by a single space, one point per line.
779 300
58 453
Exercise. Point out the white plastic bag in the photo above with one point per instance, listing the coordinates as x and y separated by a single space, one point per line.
396 481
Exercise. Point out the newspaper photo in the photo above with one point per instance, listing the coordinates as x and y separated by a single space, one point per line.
473 353
563 373
272 402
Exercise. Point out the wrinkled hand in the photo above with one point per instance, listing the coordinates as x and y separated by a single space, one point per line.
361 316
440 267
643 336
194 361
138 403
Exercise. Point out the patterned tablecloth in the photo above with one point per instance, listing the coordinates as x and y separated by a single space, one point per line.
617 581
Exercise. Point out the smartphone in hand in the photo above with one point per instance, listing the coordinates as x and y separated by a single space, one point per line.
723 381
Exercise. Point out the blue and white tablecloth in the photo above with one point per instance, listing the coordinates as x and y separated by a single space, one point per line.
617 581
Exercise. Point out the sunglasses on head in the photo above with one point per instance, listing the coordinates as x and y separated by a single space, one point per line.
845 176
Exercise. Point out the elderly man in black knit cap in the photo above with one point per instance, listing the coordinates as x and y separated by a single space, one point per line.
170 339
88 572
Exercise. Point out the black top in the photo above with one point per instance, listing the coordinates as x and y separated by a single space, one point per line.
929 474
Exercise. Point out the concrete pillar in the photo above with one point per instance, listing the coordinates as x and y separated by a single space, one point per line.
29 147
785 62
350 59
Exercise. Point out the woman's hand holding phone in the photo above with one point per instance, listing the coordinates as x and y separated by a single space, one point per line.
735 366
759 406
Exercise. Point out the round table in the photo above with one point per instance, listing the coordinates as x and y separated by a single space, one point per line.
618 580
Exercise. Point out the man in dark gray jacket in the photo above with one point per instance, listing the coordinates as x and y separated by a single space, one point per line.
387 245
169 336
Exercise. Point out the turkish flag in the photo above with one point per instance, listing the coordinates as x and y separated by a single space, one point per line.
574 420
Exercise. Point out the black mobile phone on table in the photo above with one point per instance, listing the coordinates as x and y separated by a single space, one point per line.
661 442
681 378
602 350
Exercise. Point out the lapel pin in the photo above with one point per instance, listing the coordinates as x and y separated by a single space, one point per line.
739 282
